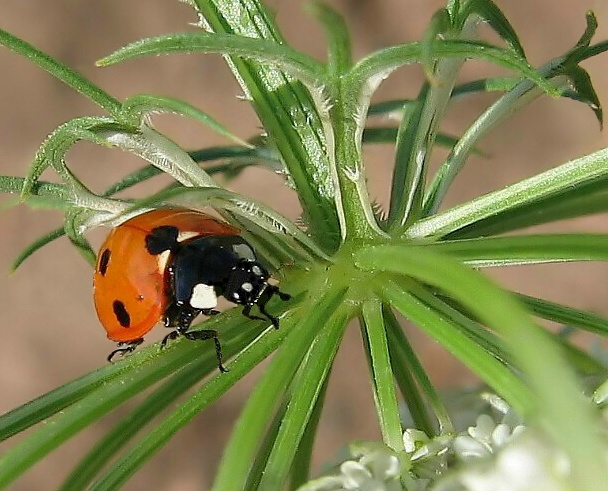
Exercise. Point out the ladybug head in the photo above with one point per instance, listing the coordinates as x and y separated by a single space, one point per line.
248 286
246 283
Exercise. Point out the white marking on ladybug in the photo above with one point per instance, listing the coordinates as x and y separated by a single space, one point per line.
248 287
162 259
256 270
203 297
185 235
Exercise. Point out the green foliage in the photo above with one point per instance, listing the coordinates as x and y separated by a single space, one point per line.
350 261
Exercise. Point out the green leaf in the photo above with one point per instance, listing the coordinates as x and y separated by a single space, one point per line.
440 25
78 416
565 315
584 364
391 58
304 392
52 153
265 447
414 382
584 199
523 249
161 152
585 39
60 71
238 455
519 96
73 227
496 84
390 107
469 324
42 194
415 147
300 472
412 395
374 331
141 105
581 361
489 12
250 156
562 179
297 64
388 134
130 180
34 246
578 87
45 406
448 333
122 433
584 91
409 172
339 56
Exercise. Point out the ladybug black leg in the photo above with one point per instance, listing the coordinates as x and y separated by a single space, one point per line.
128 348
247 313
283 296
207 334
210 312
265 297
169 337
271 318
198 336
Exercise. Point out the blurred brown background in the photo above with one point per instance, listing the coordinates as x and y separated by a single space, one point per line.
50 333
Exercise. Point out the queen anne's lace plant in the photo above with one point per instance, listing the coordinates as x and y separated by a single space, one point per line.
345 259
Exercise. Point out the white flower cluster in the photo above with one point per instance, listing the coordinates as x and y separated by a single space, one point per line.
374 468
487 457
498 458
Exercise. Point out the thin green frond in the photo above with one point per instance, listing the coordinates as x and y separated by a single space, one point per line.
138 106
299 65
339 56
489 12
238 455
562 179
305 390
60 71
389 59
374 331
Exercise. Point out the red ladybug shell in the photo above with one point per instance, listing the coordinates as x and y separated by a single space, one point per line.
129 283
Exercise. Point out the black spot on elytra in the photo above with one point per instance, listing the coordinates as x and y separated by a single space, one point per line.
161 239
123 317
103 261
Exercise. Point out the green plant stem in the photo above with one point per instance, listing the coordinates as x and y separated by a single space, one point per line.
358 216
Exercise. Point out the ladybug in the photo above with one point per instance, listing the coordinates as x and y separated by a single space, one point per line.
170 265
